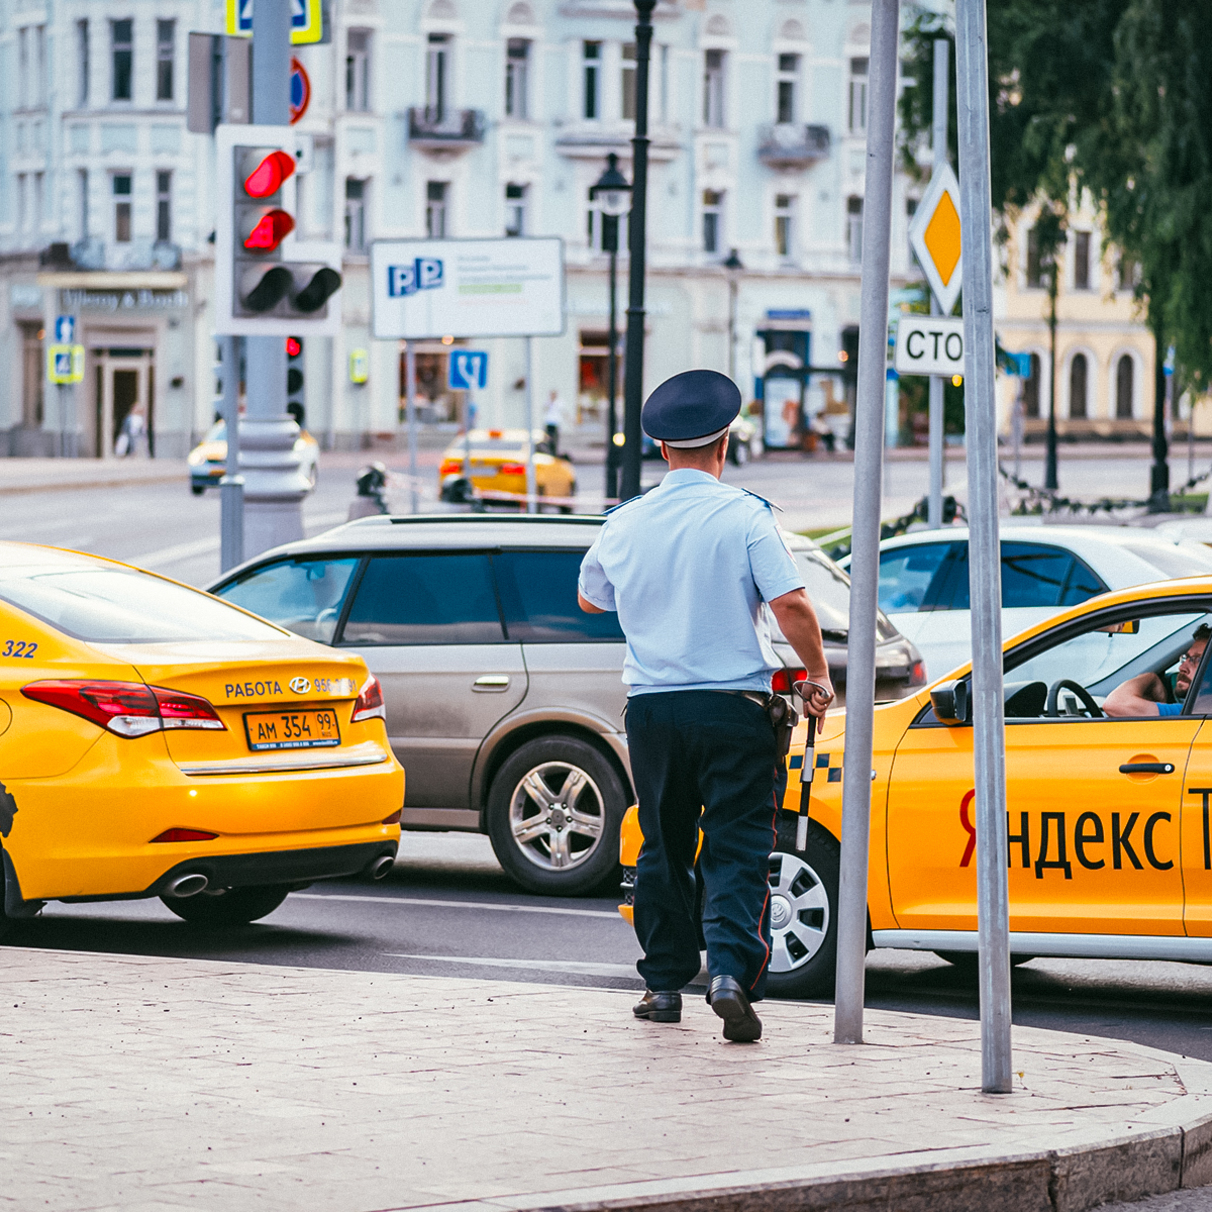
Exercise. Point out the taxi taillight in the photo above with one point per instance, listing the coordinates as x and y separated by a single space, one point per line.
128 709
369 705
513 469
184 835
451 467
784 680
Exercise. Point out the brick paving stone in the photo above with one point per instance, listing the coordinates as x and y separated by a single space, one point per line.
153 1085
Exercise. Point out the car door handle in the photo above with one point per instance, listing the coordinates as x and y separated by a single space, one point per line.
491 681
1147 768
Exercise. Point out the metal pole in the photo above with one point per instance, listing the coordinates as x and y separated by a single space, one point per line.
938 141
633 377
410 387
531 503
231 486
864 566
274 485
984 558
732 291
610 231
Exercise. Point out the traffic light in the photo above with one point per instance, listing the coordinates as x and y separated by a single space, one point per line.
295 398
267 281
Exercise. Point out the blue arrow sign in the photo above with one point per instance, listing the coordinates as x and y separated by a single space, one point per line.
468 369
65 330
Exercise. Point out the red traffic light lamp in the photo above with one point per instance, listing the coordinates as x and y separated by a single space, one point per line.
268 176
294 346
271 229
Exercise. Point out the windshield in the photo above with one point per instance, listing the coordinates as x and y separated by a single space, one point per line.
829 591
108 605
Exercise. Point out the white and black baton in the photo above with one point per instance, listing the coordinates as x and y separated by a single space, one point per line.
807 770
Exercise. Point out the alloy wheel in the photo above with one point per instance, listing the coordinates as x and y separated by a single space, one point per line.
557 816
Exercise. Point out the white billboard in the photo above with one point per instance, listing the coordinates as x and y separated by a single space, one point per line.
467 288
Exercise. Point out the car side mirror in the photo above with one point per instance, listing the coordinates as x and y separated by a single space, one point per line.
951 704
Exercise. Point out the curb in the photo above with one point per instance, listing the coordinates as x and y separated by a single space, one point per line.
8 490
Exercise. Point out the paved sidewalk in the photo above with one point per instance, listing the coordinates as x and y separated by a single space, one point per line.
153 1085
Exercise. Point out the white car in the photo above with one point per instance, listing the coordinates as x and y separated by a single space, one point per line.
924 578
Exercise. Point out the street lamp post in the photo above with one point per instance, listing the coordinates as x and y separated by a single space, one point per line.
612 191
633 379
734 266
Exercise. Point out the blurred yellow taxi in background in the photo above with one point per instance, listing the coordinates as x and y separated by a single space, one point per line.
157 741
208 460
497 463
1109 825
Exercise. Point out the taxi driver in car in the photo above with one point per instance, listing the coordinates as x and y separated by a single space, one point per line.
1155 694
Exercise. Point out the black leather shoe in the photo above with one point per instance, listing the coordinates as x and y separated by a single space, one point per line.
729 1001
659 1007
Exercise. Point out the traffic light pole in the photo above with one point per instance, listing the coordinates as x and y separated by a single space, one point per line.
231 487
274 486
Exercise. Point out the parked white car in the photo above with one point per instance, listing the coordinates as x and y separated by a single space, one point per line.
924 578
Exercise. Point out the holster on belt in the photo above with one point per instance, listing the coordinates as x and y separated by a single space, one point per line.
783 719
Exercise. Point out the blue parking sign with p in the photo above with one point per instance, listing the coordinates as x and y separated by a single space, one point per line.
468 369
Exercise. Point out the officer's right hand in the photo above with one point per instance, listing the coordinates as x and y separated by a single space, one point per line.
817 694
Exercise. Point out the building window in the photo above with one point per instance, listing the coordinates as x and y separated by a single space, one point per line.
82 63
515 210
713 88
437 195
517 86
784 215
1124 372
39 80
122 59
1081 260
591 57
166 37
1031 389
789 71
1077 386
437 76
355 214
122 195
628 82
663 60
357 70
1036 270
713 210
23 70
164 187
858 97
39 200
854 229
82 179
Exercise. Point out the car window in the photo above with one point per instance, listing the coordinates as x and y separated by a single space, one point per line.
425 599
104 605
1172 562
906 575
539 596
1034 575
304 596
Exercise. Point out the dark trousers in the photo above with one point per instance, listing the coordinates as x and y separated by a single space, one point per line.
703 759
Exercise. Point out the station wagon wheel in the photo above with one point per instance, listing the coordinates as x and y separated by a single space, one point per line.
554 811
803 913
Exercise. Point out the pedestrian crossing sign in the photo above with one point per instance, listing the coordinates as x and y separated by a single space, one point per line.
935 237
306 19
65 363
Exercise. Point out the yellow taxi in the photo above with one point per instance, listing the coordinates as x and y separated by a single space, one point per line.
497 463
207 462
1108 784
157 741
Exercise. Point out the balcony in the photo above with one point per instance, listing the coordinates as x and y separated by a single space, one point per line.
783 145
449 130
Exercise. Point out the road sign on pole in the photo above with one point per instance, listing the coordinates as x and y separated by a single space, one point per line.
935 236
467 369
940 145
65 330
306 20
65 363
984 558
929 345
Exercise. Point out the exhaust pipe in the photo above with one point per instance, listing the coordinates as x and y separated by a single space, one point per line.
189 884
380 867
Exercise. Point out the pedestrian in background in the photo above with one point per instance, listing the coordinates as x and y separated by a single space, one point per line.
553 418
690 567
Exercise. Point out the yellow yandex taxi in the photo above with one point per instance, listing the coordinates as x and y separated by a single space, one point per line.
156 741
497 463
1110 842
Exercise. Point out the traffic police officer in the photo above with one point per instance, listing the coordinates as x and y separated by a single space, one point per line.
688 567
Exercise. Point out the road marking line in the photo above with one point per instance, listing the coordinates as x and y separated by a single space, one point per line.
576 967
414 900
199 547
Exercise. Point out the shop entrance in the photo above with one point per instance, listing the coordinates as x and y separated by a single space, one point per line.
124 387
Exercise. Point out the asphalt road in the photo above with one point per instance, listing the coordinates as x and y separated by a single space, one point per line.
448 909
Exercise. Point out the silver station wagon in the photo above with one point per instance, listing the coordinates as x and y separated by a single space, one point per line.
504 700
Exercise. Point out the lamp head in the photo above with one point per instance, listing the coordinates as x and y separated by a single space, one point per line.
612 189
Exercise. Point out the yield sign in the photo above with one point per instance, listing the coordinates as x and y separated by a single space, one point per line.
935 236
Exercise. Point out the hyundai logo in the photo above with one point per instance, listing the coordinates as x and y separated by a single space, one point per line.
300 685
